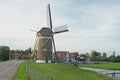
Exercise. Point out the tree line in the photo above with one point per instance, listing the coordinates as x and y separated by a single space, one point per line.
102 57
5 52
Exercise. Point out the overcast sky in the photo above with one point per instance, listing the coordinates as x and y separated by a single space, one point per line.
93 24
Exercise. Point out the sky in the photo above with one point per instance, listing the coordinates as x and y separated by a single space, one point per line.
92 24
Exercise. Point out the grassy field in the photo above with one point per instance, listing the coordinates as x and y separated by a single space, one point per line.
115 66
59 72
66 72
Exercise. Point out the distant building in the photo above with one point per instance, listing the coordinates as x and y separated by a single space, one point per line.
73 55
15 56
62 56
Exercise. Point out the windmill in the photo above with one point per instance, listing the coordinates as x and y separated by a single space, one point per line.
44 46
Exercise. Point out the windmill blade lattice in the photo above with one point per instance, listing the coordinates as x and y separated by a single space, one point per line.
49 21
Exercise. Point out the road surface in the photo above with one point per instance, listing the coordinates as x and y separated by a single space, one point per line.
8 69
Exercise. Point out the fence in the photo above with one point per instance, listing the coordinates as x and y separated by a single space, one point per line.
36 75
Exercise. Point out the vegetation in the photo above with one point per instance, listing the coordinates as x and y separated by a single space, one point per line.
21 73
27 51
66 72
100 57
24 53
114 66
4 53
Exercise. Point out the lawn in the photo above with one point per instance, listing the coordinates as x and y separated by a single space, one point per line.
66 72
21 73
1 61
113 66
59 72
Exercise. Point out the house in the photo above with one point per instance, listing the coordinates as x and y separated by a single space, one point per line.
62 56
73 57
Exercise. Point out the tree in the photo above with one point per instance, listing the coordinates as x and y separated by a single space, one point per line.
114 53
28 51
118 58
84 56
87 57
95 56
104 57
113 58
4 53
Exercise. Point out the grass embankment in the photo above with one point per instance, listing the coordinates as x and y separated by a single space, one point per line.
59 72
112 66
66 72
21 73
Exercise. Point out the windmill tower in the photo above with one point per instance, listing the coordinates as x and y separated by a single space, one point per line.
44 46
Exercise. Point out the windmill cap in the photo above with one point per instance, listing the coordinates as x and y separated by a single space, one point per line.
45 31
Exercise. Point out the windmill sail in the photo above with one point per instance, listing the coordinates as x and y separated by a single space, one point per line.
49 21
60 29
49 18
44 44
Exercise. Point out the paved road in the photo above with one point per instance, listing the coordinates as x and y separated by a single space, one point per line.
8 69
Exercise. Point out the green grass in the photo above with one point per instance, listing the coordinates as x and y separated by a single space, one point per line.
66 72
21 73
115 66
59 72
1 61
